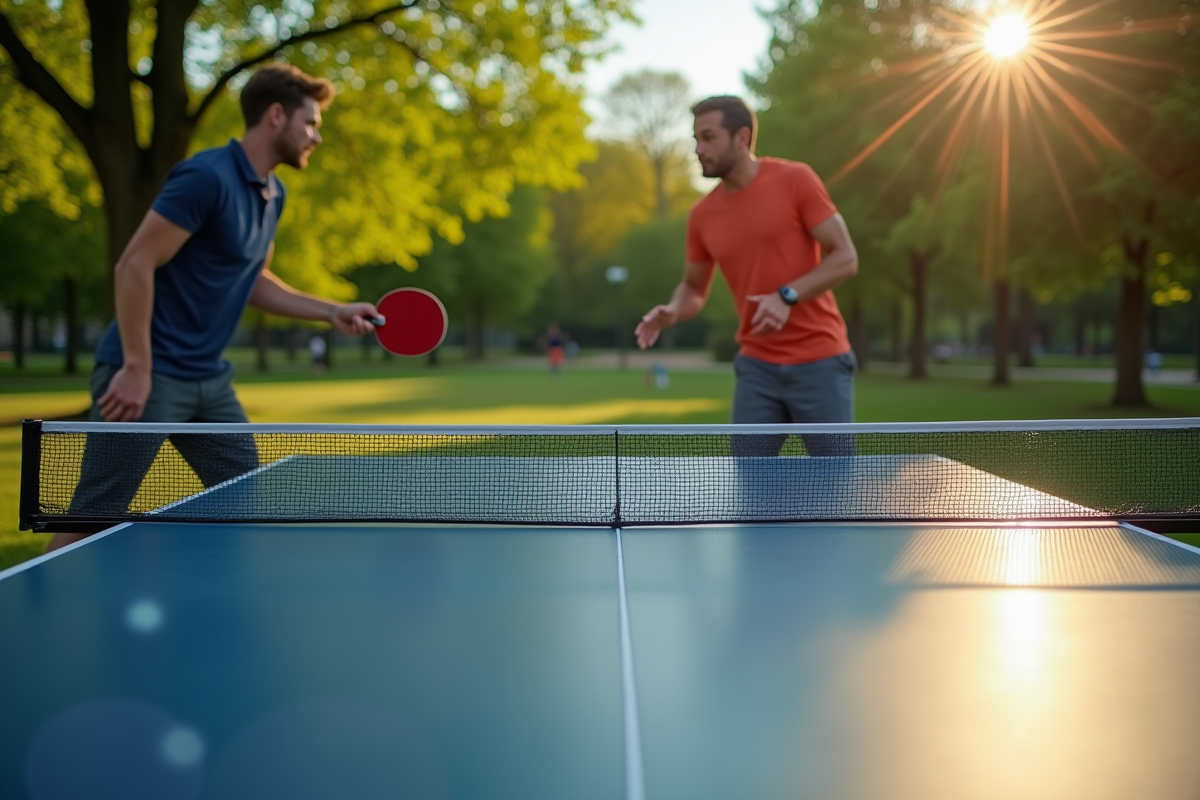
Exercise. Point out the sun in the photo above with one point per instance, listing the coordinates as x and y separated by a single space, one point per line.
1006 36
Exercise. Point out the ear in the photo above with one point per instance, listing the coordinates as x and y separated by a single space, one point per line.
276 116
743 138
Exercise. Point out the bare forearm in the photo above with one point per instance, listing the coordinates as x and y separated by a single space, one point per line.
687 301
836 268
275 297
133 282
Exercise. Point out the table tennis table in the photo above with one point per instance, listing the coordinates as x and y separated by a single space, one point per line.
202 650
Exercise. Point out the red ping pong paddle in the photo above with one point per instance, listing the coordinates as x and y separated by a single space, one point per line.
412 322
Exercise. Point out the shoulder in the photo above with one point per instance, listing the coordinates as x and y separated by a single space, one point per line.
706 203
202 170
796 171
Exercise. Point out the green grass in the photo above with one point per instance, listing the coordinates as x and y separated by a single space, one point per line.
461 393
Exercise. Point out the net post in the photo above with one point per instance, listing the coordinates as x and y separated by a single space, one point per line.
31 472
616 518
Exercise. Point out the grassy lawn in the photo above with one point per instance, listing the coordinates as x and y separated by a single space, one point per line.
458 393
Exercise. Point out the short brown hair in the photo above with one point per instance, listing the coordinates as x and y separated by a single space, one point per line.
283 84
735 114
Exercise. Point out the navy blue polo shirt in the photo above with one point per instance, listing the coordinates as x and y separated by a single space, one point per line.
200 294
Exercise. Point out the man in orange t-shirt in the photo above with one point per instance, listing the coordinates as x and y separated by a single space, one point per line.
767 225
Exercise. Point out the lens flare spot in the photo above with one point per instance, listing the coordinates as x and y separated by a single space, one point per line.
144 616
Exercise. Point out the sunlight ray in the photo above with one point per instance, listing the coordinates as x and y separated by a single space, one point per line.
870 149
1159 25
1090 121
1120 59
1057 22
1083 74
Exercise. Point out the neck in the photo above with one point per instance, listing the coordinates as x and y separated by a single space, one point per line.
260 152
740 176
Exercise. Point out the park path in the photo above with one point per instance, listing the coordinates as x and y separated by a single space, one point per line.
701 361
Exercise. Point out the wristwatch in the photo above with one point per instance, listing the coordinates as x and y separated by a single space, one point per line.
789 295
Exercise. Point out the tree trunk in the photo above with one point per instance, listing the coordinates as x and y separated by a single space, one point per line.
918 263
127 198
660 187
293 333
260 341
475 333
432 359
365 343
18 323
1130 328
1152 315
1000 334
71 313
327 335
897 335
1026 321
1080 333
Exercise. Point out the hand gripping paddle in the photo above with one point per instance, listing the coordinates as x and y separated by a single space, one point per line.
411 322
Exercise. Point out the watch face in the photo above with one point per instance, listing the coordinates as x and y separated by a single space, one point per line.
788 294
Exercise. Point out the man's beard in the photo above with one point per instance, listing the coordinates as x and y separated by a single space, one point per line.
291 154
719 168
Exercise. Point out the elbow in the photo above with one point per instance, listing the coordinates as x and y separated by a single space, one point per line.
851 268
130 267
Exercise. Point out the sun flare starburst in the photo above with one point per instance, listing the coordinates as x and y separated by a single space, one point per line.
1006 36
1019 66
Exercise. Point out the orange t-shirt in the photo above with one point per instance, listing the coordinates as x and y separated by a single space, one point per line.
761 239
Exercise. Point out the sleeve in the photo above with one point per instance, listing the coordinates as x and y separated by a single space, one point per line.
697 253
190 196
813 198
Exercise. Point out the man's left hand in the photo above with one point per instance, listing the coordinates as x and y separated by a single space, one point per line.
352 318
772 313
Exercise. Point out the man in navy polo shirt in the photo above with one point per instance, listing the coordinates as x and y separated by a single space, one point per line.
200 256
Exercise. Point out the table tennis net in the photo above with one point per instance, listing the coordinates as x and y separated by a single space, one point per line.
95 472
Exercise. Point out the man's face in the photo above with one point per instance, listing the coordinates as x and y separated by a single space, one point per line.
300 135
715 147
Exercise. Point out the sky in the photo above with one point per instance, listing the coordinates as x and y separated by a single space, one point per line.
711 42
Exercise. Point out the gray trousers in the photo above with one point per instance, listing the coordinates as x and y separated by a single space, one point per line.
115 464
772 394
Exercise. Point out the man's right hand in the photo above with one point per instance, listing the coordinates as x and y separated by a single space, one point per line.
653 323
126 396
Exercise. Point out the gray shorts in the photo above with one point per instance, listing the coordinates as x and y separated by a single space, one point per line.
113 466
178 400
772 394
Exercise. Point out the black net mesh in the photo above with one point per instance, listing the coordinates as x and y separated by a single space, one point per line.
613 477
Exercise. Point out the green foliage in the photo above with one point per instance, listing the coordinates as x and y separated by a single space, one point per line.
443 110
591 223
41 249
495 273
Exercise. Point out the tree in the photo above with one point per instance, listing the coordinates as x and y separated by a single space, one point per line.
589 222
649 110
53 267
475 99
495 273
1146 202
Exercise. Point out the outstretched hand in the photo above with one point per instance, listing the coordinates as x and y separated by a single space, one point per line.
353 319
655 321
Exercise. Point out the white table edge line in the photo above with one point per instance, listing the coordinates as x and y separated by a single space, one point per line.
44 557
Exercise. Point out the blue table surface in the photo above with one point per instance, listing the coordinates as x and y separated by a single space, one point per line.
768 661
